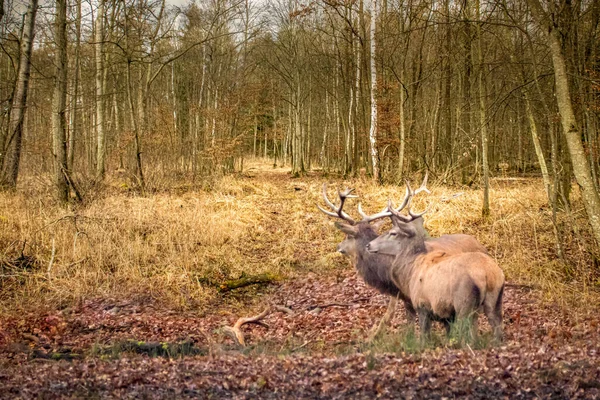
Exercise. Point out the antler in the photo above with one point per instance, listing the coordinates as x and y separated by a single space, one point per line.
339 213
370 218
410 193
235 331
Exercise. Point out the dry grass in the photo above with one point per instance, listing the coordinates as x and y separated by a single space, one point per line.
172 247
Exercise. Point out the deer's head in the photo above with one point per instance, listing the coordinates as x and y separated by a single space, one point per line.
407 234
358 233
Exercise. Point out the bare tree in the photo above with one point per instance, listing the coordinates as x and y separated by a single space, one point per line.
485 210
100 84
581 168
59 102
373 131
11 149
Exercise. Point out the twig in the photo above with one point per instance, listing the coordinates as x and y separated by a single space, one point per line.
301 346
455 195
520 286
321 306
76 262
471 350
51 257
284 309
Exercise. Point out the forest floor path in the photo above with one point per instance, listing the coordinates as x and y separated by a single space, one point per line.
107 348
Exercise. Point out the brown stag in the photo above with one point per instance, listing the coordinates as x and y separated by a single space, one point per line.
375 269
440 285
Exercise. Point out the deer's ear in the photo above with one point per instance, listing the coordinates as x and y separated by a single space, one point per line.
377 225
346 228
407 229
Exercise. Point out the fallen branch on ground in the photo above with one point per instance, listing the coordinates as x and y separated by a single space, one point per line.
246 281
321 306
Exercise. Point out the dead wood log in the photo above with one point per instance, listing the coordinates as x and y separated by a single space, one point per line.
247 281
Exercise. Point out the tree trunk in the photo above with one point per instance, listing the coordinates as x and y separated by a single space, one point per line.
59 101
538 146
100 125
373 130
581 168
485 210
11 149
74 114
402 129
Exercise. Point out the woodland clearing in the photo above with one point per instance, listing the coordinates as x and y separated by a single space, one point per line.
122 297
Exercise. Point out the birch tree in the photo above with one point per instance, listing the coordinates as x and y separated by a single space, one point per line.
373 130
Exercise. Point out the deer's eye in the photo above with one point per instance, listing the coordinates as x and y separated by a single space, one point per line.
393 233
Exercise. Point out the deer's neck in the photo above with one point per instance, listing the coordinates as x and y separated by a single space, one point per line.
376 269
404 268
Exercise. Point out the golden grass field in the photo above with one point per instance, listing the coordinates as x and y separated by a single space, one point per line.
175 247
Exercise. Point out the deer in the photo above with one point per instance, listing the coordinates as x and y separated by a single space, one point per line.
375 269
441 285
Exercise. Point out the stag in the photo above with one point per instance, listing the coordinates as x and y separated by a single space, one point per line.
448 243
375 269
441 286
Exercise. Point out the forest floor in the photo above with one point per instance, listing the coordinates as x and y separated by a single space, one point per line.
119 345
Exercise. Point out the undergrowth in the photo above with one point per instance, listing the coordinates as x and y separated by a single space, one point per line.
406 339
175 247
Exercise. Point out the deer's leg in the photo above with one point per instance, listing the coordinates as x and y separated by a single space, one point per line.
385 320
411 314
424 323
474 326
492 308
448 325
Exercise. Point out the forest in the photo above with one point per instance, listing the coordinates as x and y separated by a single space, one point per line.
177 175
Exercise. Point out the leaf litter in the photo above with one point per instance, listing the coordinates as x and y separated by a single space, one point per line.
93 349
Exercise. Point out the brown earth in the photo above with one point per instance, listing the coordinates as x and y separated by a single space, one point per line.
111 348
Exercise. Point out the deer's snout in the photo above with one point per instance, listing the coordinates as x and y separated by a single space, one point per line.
341 250
370 248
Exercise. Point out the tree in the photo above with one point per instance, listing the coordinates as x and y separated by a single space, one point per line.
373 130
485 209
571 131
100 84
59 102
11 149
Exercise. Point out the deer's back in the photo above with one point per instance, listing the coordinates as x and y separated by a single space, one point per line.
441 280
455 243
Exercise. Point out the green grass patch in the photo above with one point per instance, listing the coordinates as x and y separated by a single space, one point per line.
151 349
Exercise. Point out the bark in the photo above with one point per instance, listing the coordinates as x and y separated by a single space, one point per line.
135 128
402 130
448 88
247 281
59 101
100 117
485 210
74 115
581 167
373 130
11 149
538 146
